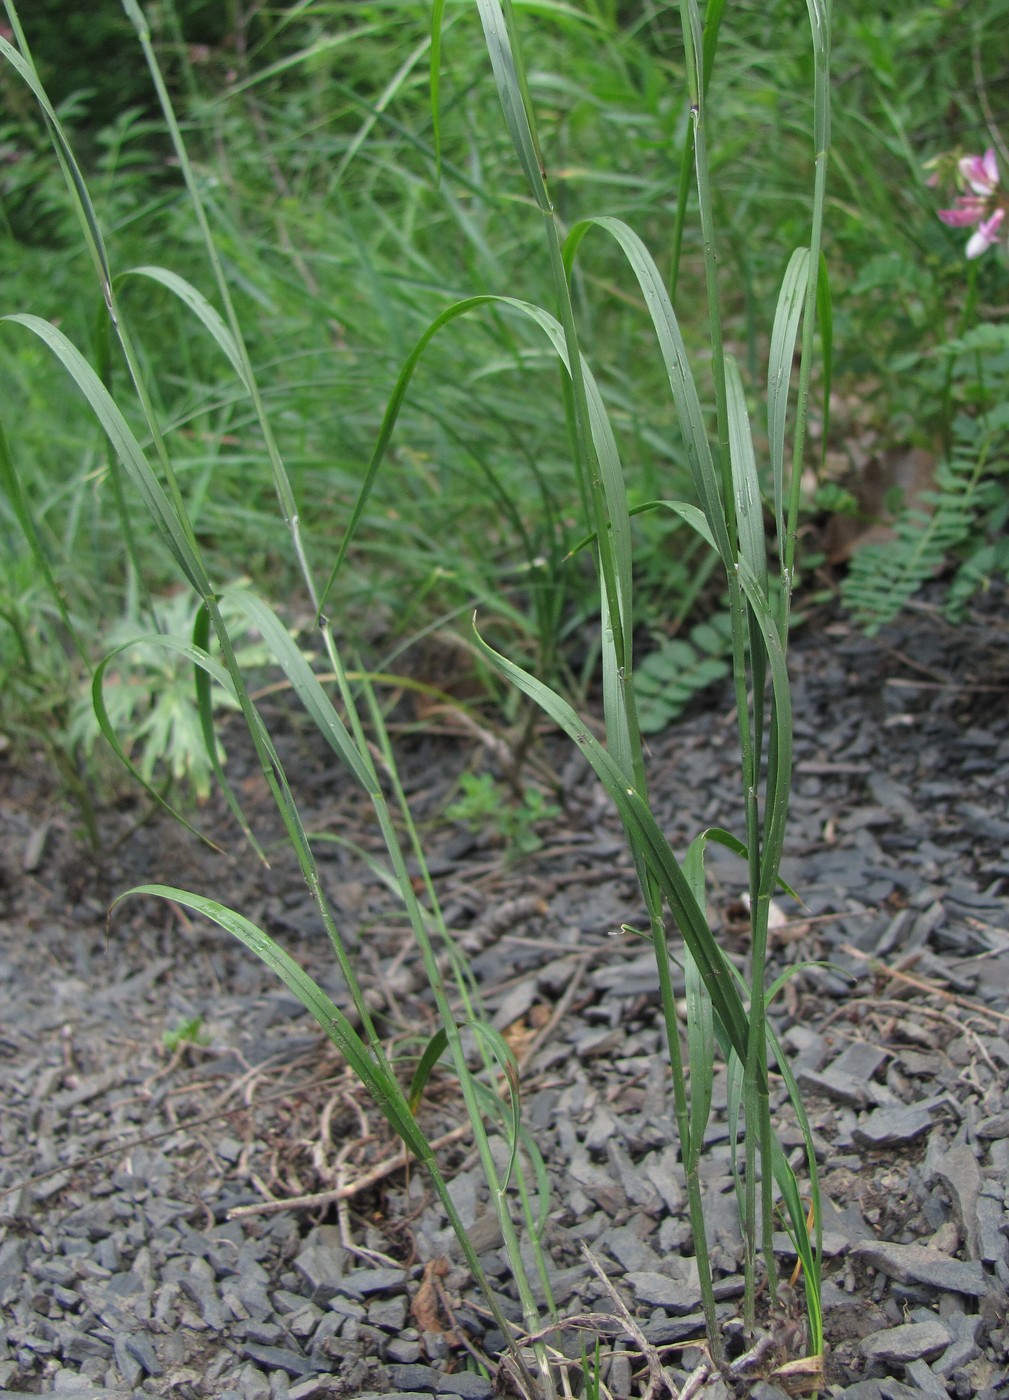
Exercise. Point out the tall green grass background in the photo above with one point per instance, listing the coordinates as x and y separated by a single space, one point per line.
313 144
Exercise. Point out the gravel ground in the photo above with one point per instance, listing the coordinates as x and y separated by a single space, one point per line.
229 1218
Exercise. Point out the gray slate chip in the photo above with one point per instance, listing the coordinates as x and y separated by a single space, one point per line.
884 1389
671 1331
302 1322
849 1077
963 1344
311 1389
923 1378
389 1314
279 1359
913 1263
129 1367
428 1380
629 1249
140 1347
890 1126
80 1346
322 1269
360 1283
914 1340
992 1243
957 1169
404 1350
834 1085
76 1393
997 1126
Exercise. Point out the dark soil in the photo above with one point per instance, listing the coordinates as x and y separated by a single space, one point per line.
155 1236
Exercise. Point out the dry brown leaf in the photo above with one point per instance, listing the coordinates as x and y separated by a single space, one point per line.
426 1309
800 1377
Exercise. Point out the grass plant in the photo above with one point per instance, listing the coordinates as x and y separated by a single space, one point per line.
730 520
351 206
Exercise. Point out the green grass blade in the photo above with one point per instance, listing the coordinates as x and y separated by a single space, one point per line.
749 515
125 445
514 97
738 848
779 374
374 1074
504 1056
700 1056
647 841
693 45
205 709
201 308
432 1053
376 111
808 1249
780 779
306 684
437 19
343 38
691 515
389 419
712 24
601 431
677 366
745 482
825 320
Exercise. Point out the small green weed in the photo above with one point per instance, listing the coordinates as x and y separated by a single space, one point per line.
189 1031
486 804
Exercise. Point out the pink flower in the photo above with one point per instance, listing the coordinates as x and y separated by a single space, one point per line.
969 209
985 235
980 172
982 202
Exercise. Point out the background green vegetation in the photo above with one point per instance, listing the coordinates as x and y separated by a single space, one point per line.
311 129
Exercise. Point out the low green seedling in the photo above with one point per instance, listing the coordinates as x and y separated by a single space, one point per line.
486 804
189 1031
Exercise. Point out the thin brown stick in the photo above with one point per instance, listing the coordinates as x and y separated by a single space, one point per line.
696 1381
924 984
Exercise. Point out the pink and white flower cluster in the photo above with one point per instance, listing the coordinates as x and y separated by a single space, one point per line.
982 206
